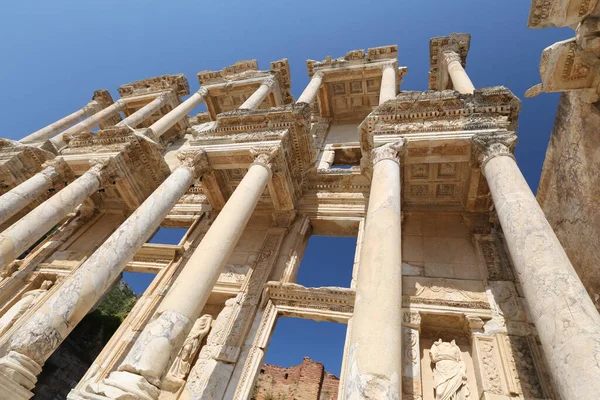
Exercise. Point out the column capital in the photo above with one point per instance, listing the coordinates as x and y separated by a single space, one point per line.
195 160
267 156
411 319
318 74
104 169
450 55
269 81
490 145
389 151
56 170
388 64
203 92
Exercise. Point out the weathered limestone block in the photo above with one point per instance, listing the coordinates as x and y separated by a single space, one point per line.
569 188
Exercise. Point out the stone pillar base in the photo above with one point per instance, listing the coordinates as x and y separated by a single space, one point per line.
18 375
9 389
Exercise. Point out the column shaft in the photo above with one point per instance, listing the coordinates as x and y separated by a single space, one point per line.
179 112
565 317
374 365
155 347
460 79
37 339
388 83
258 96
143 113
19 197
310 92
89 123
25 232
54 128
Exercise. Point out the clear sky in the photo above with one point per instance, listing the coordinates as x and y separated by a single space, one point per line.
55 54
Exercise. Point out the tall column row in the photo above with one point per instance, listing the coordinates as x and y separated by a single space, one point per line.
141 371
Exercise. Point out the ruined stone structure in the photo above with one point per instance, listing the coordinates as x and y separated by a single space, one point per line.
569 188
458 275
306 381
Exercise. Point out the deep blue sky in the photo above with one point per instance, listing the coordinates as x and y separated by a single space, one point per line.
55 54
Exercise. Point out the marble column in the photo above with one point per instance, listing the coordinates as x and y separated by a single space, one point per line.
33 342
310 92
179 112
22 195
141 371
62 124
460 79
374 364
259 95
388 83
25 232
567 322
59 142
143 113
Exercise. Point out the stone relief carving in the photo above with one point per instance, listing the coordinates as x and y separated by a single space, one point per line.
175 377
27 301
449 373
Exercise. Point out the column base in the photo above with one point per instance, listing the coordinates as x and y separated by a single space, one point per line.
121 385
18 375
10 389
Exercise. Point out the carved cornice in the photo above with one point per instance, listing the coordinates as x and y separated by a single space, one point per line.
354 57
550 13
178 83
332 299
490 145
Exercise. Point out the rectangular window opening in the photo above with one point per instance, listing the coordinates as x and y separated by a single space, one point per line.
303 356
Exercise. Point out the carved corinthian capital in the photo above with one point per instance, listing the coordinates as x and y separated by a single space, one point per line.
267 156
490 145
104 169
450 56
195 160
56 171
389 151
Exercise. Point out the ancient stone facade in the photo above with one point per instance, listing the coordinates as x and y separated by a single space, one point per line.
568 189
306 381
460 287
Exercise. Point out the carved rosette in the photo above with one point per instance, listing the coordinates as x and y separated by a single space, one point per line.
389 151
490 145
196 161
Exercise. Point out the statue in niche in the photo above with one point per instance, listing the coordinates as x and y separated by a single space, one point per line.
449 373
28 300
180 368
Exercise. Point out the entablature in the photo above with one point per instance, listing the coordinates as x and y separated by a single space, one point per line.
351 84
232 86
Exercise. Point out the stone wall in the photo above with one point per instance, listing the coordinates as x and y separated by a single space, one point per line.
306 381
569 190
